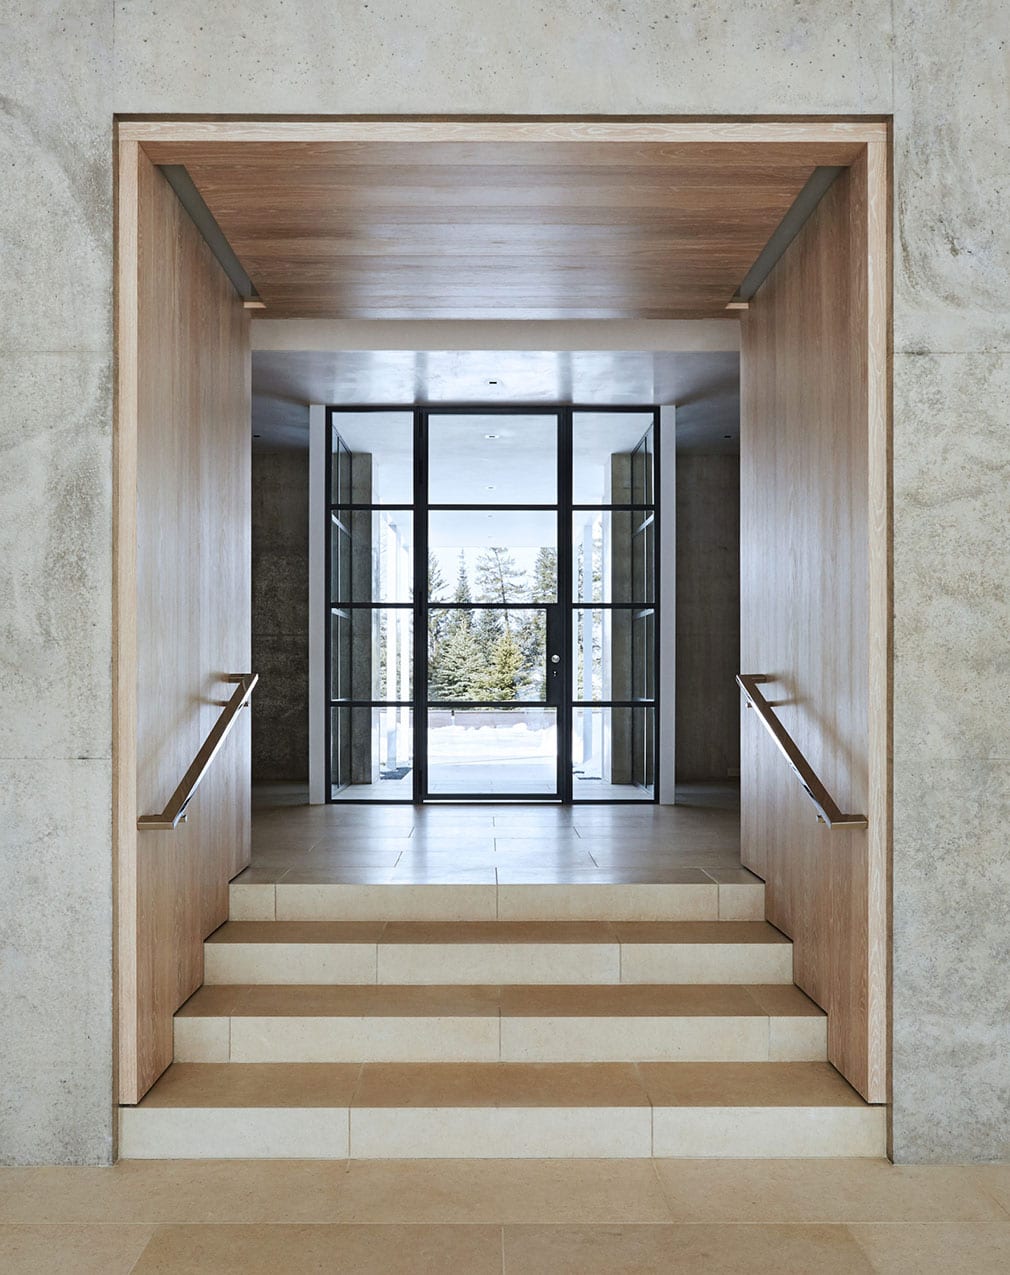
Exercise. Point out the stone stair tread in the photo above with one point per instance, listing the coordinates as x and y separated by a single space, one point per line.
501 1084
519 1001
473 932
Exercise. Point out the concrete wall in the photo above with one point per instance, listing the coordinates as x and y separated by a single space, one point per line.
280 615
938 65
708 616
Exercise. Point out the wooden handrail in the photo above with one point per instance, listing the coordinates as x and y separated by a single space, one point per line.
827 811
175 812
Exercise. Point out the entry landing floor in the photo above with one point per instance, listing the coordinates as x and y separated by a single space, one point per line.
528 1217
695 841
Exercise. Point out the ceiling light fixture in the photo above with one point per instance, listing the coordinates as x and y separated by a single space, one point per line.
490 435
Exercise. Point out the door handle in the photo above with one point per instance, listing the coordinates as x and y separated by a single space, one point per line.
555 659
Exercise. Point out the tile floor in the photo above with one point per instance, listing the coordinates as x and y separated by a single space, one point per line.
548 1217
697 840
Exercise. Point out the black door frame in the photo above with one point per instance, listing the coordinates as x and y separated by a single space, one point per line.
560 614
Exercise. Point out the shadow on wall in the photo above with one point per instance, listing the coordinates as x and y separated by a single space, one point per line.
280 615
708 617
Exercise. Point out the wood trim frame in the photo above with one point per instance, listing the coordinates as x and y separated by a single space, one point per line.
869 137
124 617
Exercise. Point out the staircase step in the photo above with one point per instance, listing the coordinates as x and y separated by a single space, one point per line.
500 1110
603 895
457 1023
496 952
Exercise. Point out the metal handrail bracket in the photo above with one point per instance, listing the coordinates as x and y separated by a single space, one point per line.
827 811
175 812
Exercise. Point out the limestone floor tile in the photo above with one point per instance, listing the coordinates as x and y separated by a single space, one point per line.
797 1028
500 1132
82 1250
575 1190
994 1180
605 1039
347 872
603 900
415 870
797 1039
713 1132
271 1133
779 1084
431 1038
499 963
194 1085
397 901
741 894
499 1085
289 963
823 1191
336 1250
201 1040
721 952
505 952
157 1191
978 1249
251 902
662 1250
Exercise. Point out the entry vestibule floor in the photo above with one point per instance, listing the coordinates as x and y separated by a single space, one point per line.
531 1217
696 841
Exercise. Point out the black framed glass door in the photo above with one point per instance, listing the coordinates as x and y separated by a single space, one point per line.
493 723
492 604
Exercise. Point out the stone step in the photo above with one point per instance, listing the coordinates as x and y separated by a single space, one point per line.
617 1023
496 952
601 896
500 1110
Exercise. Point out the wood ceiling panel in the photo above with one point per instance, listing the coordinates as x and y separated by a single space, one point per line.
508 230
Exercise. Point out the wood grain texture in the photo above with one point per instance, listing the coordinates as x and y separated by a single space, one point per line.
507 229
398 129
184 593
814 575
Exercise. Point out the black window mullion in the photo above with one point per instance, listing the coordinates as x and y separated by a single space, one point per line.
420 605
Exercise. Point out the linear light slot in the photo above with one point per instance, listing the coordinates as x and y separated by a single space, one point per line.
789 227
202 217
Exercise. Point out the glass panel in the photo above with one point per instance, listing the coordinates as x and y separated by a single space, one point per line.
643 555
372 555
372 754
371 653
373 458
612 754
612 554
612 654
493 750
603 447
487 654
642 470
493 460
482 555
643 655
340 488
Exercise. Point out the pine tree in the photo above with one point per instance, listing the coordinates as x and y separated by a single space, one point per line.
437 618
532 632
460 670
501 678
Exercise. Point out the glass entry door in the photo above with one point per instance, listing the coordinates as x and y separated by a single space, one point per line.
494 666
492 604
